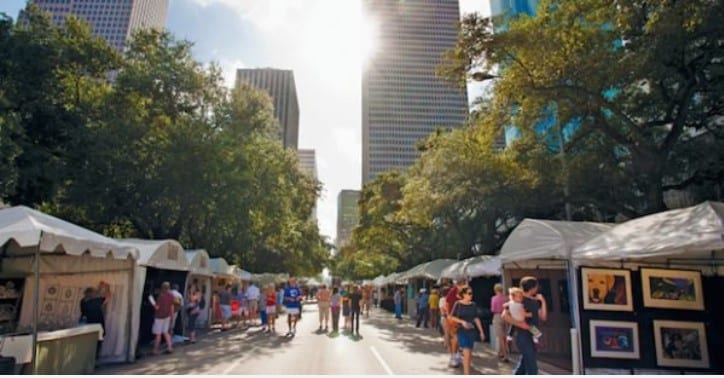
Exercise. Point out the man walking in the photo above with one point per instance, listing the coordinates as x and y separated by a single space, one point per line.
423 309
398 304
162 318
323 302
252 295
535 304
292 300
355 300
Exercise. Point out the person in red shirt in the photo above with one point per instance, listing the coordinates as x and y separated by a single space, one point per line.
450 299
162 318
271 308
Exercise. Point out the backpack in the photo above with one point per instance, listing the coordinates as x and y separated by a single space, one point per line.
176 304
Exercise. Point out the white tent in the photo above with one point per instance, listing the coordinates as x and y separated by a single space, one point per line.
379 280
160 254
200 273
546 239
220 268
68 259
695 232
430 270
244 275
476 266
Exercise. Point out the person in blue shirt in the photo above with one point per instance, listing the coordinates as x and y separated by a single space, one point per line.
292 301
423 308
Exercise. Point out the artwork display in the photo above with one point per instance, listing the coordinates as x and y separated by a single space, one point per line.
613 339
674 289
681 344
606 289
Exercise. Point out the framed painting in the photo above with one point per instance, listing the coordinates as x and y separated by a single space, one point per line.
674 289
613 339
681 344
606 289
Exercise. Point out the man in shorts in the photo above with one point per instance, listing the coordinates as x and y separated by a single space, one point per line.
252 295
292 301
162 318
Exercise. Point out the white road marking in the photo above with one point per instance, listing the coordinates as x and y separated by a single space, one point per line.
236 363
381 361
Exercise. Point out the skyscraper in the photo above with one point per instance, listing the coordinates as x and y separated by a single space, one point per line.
114 20
308 163
403 101
347 216
283 91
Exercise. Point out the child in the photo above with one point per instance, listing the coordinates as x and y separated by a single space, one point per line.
517 312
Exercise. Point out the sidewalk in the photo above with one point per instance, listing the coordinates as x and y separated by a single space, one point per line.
428 341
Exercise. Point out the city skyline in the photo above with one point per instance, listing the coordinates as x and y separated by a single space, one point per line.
288 35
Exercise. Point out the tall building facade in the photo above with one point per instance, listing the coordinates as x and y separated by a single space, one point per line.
308 164
283 91
114 20
403 101
347 216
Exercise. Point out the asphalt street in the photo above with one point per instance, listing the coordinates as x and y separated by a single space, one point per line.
386 347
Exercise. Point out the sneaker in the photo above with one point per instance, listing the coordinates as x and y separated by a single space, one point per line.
453 363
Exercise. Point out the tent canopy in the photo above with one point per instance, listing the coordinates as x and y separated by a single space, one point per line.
270 278
199 262
161 254
219 267
693 232
244 275
476 266
29 228
430 270
547 239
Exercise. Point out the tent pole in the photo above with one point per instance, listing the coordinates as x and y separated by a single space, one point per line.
36 300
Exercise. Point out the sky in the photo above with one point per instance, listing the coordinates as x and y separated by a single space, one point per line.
325 43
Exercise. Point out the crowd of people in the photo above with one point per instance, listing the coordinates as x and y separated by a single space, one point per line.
449 309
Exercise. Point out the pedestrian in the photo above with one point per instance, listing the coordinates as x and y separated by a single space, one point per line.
323 303
365 303
193 310
162 318
434 304
292 300
452 297
345 309
335 302
423 309
178 304
398 304
443 319
93 308
535 304
465 314
243 306
376 298
225 304
501 329
252 295
355 307
271 308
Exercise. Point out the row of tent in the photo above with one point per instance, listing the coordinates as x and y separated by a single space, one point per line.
696 232
55 260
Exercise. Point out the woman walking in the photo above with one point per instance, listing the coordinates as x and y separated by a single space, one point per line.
193 310
271 308
496 307
465 313
335 303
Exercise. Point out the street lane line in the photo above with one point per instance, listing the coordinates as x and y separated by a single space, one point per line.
381 361
236 363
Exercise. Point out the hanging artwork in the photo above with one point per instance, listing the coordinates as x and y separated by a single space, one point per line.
674 289
612 339
681 344
606 289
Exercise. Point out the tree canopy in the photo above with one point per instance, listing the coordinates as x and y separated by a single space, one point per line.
150 144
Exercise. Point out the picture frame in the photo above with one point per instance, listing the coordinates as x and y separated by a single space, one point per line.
672 289
606 289
614 339
681 344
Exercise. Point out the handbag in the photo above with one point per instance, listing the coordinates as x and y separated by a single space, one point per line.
452 325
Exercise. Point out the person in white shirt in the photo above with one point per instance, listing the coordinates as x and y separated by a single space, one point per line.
252 295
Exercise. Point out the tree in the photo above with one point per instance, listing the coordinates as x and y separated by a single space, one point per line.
644 78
